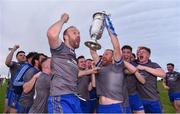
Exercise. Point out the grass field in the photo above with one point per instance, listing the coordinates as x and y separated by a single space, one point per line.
165 99
163 93
2 96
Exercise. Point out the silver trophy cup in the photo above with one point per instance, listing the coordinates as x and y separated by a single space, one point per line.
96 30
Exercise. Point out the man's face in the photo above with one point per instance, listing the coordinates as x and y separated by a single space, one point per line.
126 53
73 37
132 57
41 57
30 60
107 57
170 68
21 57
143 55
48 64
82 63
88 64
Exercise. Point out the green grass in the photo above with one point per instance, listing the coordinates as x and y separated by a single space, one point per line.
2 96
163 94
165 99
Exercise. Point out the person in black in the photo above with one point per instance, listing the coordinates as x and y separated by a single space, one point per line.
172 83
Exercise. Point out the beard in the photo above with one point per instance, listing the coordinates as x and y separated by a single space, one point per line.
74 43
106 61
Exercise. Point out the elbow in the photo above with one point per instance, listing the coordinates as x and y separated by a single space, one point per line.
51 33
25 90
142 81
7 63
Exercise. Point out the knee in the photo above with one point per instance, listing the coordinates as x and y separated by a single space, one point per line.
177 104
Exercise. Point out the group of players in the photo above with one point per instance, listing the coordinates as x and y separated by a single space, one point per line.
115 82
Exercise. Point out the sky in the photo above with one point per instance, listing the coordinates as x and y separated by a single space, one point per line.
151 23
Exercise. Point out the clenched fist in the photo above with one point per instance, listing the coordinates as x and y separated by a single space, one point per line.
65 17
14 48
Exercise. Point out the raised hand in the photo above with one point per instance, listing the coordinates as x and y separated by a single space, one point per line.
14 48
65 17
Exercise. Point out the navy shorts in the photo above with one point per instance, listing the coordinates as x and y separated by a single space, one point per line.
93 94
23 108
68 103
135 102
85 106
93 104
174 96
13 99
127 109
152 106
7 93
112 108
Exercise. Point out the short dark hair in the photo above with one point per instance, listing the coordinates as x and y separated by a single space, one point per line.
134 55
80 57
19 53
145 48
126 47
43 55
31 55
65 31
171 64
35 57
44 60
88 59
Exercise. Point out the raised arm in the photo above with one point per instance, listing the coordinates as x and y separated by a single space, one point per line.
54 31
8 61
94 56
116 45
